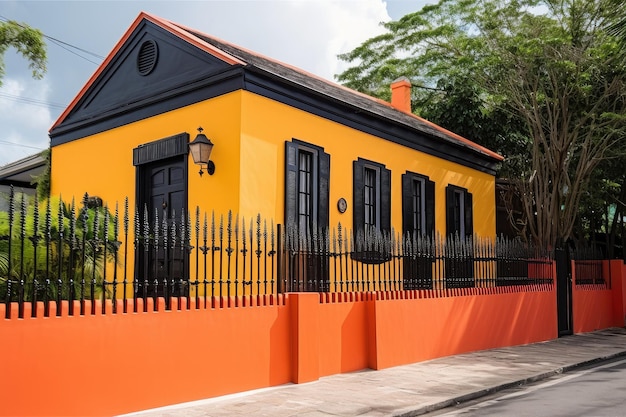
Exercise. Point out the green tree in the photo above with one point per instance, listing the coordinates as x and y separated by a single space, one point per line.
546 70
27 41
43 238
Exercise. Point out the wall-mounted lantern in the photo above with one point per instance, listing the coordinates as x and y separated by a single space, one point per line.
200 149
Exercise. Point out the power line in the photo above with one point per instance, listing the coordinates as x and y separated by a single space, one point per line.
61 45
72 46
21 145
69 48
65 45
33 101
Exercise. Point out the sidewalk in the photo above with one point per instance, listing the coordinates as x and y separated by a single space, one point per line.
413 389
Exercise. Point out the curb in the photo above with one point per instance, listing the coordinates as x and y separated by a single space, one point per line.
518 383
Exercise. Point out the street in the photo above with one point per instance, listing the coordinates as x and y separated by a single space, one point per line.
593 391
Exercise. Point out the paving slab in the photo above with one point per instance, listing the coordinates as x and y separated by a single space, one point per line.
413 389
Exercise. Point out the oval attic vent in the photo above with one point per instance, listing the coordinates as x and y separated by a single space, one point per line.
147 57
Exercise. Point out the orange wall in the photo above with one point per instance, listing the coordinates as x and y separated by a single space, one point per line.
111 364
438 327
593 309
344 336
597 307
105 365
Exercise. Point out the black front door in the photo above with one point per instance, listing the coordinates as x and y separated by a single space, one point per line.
162 255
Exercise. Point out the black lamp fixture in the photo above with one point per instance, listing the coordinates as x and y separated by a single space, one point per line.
200 149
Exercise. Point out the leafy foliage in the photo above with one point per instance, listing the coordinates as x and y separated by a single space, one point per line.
541 81
42 180
53 246
27 41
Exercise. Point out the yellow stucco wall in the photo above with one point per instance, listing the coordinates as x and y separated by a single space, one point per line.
108 171
267 124
249 133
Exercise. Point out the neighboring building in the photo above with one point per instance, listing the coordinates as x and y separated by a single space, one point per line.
20 175
288 145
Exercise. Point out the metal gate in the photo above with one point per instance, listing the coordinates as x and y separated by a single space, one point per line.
563 291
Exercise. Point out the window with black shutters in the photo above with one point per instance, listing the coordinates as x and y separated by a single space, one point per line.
459 215
371 208
307 172
418 204
372 196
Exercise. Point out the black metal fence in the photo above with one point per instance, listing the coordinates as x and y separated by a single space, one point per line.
53 252
338 261
589 267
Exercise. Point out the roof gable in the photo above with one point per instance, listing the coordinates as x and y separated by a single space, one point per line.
130 76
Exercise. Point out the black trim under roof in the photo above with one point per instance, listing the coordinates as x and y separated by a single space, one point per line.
188 94
297 89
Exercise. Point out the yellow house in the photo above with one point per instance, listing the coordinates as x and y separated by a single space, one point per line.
288 145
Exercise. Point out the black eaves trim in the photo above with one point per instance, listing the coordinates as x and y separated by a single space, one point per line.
185 95
292 94
277 88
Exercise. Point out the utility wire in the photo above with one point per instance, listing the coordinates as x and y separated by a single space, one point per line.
33 101
61 45
21 145
65 45
60 42
69 48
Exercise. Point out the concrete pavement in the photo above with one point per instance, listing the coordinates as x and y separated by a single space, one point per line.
414 389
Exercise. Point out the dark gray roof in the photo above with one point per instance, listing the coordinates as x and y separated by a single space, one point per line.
343 94
22 171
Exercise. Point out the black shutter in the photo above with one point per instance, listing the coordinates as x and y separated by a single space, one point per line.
358 209
450 230
291 183
407 204
469 215
430 207
324 196
385 200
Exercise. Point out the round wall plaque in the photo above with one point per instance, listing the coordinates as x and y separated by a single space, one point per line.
342 205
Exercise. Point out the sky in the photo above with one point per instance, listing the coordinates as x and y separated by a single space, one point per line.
308 34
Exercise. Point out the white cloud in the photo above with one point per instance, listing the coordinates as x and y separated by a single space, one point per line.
308 34
350 27
24 118
313 33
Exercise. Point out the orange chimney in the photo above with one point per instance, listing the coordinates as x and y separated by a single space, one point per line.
401 94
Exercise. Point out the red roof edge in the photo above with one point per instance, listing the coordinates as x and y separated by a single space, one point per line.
474 145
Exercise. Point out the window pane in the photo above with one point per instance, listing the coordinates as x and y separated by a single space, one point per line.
418 207
459 209
370 198
305 187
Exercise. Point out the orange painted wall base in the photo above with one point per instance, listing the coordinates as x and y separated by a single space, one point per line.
601 306
98 365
